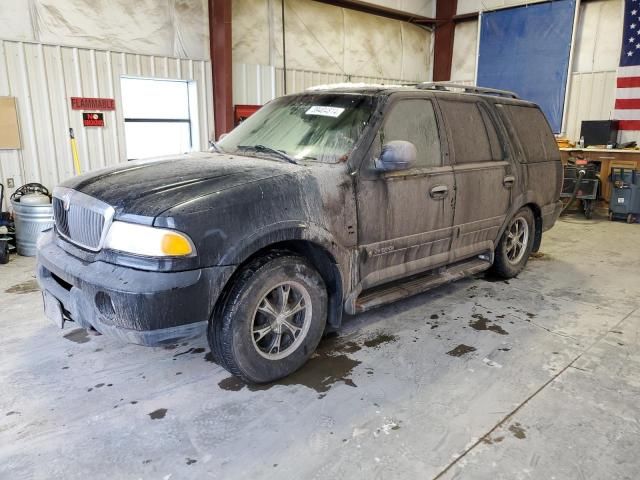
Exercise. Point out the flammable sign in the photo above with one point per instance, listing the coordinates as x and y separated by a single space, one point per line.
92 119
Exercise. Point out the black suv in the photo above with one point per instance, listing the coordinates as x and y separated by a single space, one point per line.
334 200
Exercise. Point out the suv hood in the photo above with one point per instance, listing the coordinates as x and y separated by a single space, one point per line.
149 187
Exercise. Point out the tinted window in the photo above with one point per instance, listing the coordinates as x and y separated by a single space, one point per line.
473 133
533 131
415 121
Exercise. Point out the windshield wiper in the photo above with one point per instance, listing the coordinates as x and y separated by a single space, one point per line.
215 146
264 148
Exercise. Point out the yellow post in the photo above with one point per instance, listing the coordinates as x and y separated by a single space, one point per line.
74 152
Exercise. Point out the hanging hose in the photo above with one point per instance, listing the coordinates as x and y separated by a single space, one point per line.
581 174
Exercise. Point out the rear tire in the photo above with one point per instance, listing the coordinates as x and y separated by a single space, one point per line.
515 245
272 319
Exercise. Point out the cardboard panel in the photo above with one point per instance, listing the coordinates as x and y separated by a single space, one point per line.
9 130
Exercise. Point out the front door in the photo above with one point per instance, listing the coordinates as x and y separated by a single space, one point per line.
405 217
484 177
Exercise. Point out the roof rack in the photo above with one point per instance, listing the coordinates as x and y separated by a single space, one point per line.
447 86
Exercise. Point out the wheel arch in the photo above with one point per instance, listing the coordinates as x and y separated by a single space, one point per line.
318 249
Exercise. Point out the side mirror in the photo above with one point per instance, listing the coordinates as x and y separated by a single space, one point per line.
396 155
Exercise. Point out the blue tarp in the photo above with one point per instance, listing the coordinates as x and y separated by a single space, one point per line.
526 50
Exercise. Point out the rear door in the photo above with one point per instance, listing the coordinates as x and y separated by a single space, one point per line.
484 177
537 150
405 217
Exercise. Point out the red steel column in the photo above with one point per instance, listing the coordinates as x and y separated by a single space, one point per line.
443 45
220 47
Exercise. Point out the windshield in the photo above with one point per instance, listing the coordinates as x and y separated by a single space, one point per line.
317 127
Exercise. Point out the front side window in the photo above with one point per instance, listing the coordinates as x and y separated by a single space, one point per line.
473 133
314 127
414 120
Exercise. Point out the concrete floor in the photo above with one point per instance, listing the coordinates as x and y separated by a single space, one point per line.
538 377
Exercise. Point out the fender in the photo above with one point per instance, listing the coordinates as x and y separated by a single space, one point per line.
525 198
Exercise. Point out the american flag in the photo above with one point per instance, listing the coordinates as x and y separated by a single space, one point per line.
627 108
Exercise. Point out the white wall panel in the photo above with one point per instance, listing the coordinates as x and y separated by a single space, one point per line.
177 28
324 38
43 78
465 46
592 97
257 84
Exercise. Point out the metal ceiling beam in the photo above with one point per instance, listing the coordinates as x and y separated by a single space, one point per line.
380 11
443 41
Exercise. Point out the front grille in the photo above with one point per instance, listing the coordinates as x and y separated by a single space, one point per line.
81 219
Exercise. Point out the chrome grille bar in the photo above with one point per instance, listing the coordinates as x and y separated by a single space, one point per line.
80 218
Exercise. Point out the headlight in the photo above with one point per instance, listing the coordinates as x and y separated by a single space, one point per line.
148 241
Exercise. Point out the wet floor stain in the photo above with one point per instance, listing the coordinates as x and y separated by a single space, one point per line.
158 414
539 256
488 277
329 365
491 441
483 323
79 335
30 286
191 350
210 358
517 430
461 350
379 339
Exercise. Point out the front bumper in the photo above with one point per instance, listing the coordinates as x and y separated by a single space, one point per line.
143 307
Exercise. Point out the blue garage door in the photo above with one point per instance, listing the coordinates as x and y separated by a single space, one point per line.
526 50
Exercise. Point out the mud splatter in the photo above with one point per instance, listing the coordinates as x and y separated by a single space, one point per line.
483 323
30 286
461 350
517 430
190 461
79 335
434 316
379 340
158 414
13 412
329 365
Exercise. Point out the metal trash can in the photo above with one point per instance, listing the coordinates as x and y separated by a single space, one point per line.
32 216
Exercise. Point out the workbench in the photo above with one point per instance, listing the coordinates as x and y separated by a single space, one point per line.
608 159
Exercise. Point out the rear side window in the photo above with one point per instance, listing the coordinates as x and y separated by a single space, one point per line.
473 133
533 131
414 120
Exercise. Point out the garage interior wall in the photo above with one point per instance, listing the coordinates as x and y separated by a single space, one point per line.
595 58
51 50
324 44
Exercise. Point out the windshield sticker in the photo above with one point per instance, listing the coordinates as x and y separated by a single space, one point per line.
334 112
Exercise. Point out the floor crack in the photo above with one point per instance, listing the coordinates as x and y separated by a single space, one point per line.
507 417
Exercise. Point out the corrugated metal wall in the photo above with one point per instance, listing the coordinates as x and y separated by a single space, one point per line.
44 77
257 84
591 97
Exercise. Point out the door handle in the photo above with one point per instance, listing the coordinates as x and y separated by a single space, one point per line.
439 191
508 181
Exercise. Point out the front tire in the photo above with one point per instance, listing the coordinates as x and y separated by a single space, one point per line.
515 245
272 320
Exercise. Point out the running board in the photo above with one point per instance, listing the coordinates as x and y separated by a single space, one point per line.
407 288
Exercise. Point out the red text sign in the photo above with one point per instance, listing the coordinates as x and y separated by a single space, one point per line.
82 103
